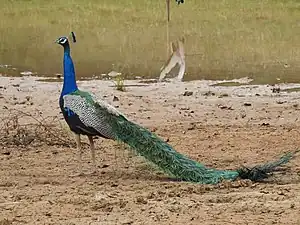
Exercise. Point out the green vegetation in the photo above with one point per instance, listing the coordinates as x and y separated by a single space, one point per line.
119 83
224 39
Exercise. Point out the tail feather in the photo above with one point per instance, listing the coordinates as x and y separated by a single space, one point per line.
165 157
179 166
260 172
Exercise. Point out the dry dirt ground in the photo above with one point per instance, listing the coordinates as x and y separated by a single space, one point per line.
222 127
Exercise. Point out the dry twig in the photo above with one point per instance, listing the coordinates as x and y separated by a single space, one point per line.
24 129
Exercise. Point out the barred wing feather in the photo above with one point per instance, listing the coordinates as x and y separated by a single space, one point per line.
92 114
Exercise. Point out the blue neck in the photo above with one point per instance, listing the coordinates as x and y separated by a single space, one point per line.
69 73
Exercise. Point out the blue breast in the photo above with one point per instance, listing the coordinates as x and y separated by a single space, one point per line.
70 86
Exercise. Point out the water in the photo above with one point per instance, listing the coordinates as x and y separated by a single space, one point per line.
274 75
12 71
9 70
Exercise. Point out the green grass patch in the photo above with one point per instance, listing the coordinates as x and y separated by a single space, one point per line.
119 83
224 39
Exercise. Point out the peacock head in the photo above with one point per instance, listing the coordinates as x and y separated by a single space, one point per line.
63 41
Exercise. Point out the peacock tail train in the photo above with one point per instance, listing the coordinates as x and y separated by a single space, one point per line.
165 157
178 165
154 149
87 115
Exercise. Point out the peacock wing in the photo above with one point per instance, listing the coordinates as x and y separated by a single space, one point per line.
91 113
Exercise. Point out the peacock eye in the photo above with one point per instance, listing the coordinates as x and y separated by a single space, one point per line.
63 40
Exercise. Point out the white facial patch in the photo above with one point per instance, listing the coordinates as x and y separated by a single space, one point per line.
62 40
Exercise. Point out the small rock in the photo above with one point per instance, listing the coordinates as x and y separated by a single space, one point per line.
247 104
6 153
187 93
264 192
223 95
141 200
185 108
123 204
225 107
115 98
153 129
192 126
127 223
265 124
209 93
16 85
276 90
50 202
280 102
243 115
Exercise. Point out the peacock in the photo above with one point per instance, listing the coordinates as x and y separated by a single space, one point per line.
87 115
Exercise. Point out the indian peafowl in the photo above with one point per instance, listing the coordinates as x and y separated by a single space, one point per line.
87 115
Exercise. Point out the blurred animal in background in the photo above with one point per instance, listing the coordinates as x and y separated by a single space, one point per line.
177 58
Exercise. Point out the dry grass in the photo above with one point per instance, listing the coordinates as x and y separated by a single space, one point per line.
24 129
224 39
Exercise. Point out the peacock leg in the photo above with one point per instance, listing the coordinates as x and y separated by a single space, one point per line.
92 147
78 143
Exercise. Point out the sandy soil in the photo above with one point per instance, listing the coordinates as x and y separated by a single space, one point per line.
223 127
